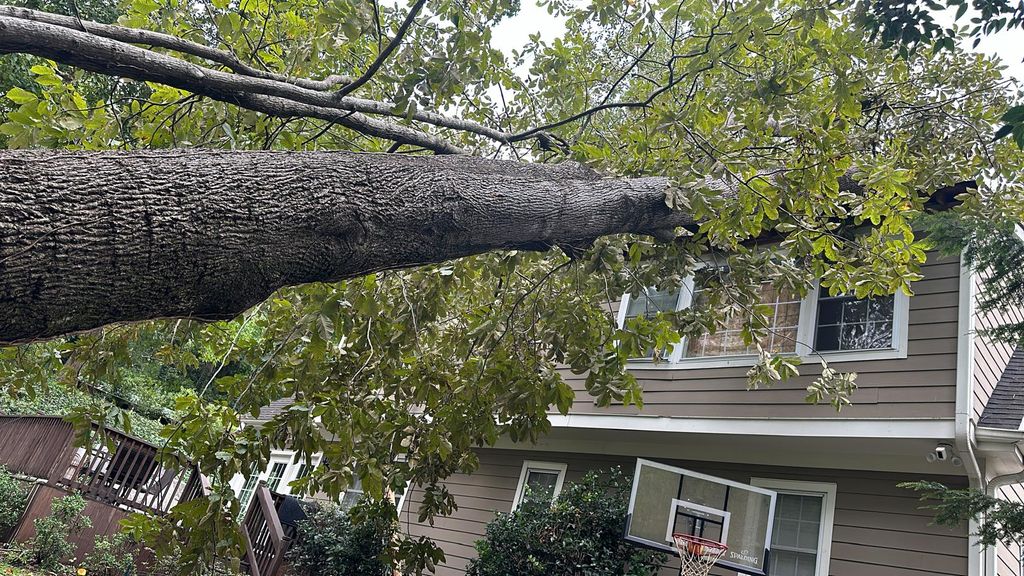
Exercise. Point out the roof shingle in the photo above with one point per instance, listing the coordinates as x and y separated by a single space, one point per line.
1005 409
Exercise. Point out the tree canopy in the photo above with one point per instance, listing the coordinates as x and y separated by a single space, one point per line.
793 145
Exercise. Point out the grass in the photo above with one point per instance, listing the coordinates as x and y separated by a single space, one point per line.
8 570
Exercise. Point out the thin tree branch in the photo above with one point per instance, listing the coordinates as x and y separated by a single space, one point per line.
114 58
161 40
384 54
395 42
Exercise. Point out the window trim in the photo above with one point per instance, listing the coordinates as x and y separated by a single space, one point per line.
805 335
528 465
827 491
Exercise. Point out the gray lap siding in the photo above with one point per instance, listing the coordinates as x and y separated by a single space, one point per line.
922 385
879 528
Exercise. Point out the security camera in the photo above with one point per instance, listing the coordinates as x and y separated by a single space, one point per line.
943 453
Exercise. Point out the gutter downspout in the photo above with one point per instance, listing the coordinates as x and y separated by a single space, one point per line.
964 430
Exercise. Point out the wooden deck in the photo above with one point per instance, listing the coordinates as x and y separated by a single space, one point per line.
112 467
120 474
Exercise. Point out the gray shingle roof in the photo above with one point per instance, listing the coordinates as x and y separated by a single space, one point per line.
274 408
1005 409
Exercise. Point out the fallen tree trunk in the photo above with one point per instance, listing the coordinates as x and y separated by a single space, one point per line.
88 239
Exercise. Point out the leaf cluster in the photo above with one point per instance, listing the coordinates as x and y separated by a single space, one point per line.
579 533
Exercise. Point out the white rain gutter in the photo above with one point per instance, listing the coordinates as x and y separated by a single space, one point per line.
1012 438
964 433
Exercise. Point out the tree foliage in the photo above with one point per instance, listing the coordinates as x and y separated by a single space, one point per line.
329 543
13 500
758 111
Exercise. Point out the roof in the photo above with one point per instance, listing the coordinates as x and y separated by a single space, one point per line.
273 409
1005 409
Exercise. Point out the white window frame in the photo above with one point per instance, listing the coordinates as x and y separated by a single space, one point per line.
528 465
827 492
805 336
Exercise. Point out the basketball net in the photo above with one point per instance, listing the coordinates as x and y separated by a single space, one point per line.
697 556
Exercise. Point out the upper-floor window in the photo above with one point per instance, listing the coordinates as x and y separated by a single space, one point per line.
840 327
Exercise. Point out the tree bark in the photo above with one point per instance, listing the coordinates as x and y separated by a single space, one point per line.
88 239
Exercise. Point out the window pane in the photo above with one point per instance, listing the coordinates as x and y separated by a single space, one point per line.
540 485
274 478
787 563
652 302
351 496
846 323
782 320
795 535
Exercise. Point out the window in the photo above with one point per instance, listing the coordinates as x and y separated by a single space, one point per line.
245 494
272 477
651 302
276 473
802 533
783 324
846 323
841 328
353 494
539 482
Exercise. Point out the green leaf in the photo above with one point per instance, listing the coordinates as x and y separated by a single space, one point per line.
1003 132
21 96
1014 115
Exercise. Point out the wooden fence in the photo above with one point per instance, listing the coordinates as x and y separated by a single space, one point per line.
32 445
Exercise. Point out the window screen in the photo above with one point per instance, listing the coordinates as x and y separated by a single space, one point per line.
783 321
848 323
795 535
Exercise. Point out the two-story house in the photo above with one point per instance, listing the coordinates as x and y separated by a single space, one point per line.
936 401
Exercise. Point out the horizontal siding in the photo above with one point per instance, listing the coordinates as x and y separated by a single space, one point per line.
921 386
880 530
990 356
1008 554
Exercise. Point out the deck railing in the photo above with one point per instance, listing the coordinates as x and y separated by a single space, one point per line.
128 473
113 467
266 539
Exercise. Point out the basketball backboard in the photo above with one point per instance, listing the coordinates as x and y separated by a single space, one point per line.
667 500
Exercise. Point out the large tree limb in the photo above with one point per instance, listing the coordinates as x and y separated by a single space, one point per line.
87 239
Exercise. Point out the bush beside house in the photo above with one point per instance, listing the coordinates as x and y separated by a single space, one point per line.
13 501
331 544
580 533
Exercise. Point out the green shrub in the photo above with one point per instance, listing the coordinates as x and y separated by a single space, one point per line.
580 533
13 500
330 544
111 556
51 547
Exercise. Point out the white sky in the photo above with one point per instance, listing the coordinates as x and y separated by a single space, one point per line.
513 33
